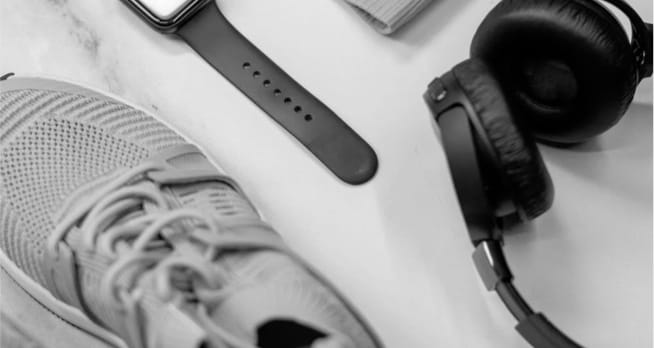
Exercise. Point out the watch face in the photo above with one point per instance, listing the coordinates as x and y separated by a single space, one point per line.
165 15
165 9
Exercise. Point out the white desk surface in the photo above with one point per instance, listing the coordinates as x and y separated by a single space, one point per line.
397 245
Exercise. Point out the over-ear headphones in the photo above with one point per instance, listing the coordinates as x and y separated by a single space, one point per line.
562 71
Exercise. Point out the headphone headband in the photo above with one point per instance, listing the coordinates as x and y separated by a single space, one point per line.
534 327
641 41
461 142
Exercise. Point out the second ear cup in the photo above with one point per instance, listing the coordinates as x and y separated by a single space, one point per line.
521 164
567 67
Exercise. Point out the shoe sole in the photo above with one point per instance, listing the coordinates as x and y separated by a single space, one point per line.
45 318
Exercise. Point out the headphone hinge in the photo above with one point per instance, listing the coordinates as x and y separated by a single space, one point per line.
643 60
646 55
491 264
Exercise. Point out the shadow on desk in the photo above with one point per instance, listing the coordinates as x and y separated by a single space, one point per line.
430 22
635 129
619 160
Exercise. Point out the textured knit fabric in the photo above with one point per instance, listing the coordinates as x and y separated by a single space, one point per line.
51 143
60 144
12 336
388 15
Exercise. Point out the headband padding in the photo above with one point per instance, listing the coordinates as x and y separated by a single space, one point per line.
520 161
567 66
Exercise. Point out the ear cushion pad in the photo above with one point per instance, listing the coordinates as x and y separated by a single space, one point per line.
568 65
523 168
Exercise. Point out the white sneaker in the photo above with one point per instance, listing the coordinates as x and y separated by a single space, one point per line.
119 233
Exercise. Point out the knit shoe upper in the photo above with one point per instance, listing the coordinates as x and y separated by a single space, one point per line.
115 214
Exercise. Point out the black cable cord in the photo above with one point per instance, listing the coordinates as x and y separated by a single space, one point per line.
534 327
513 301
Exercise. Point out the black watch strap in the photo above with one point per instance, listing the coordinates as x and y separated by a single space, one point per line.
318 128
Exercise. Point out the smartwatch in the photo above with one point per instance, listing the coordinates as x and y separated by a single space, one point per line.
203 27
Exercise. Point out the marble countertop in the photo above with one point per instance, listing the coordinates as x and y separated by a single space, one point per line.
396 246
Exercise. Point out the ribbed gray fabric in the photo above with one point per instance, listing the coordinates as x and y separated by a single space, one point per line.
388 15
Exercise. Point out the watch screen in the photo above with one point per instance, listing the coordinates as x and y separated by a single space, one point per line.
165 9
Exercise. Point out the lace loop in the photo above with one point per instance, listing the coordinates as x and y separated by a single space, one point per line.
110 208
108 284
209 276
169 219
78 212
131 230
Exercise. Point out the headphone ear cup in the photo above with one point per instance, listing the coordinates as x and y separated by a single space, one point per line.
567 66
521 165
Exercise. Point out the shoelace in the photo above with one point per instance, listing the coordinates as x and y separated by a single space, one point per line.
115 223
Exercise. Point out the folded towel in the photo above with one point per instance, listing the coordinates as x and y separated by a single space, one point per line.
388 15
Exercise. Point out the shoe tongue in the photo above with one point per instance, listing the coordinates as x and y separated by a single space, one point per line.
276 306
277 322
